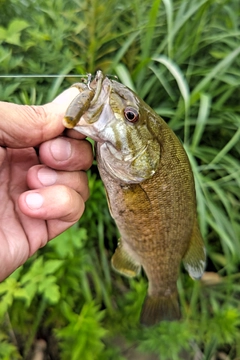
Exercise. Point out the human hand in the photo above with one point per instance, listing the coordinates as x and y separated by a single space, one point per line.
41 193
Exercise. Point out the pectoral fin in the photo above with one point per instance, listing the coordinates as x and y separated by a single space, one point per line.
123 263
195 258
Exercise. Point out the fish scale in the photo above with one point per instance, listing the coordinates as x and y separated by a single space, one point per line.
150 190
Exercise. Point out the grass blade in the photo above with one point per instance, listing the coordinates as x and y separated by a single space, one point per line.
232 142
223 65
124 75
205 104
178 76
169 15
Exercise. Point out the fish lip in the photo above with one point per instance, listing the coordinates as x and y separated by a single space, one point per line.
96 85
86 124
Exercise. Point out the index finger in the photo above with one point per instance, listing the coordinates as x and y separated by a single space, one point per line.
24 126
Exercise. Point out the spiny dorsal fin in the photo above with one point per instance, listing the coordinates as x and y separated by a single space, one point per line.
124 264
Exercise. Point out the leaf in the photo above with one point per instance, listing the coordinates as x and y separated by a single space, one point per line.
124 75
16 26
157 339
7 289
13 39
3 33
31 291
52 93
35 272
128 42
51 266
8 350
50 290
178 76
232 142
148 34
223 65
224 325
82 338
169 14
204 109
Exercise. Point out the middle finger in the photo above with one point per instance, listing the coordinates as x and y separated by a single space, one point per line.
41 176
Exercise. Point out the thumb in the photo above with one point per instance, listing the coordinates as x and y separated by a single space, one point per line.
25 126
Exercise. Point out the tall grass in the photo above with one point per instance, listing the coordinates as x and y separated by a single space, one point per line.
182 57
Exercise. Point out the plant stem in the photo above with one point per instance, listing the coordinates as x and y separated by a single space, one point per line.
35 327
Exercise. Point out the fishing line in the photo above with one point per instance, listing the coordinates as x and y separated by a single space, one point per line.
88 76
41 76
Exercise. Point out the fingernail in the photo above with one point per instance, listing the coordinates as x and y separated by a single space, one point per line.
61 149
34 201
47 176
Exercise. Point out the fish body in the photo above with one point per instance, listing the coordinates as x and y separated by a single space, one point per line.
151 194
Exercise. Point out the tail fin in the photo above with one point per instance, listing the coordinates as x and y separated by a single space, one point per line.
160 308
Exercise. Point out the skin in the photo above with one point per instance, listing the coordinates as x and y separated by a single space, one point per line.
41 193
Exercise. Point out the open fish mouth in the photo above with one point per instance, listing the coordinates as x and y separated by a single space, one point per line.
96 85
97 88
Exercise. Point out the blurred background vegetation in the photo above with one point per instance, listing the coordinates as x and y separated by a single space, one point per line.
182 57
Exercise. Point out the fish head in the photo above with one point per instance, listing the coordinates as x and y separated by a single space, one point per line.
120 122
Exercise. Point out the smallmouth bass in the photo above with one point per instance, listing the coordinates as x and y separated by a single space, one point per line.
150 190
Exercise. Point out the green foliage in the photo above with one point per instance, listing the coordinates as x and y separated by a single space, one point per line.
159 338
183 58
7 350
11 34
82 336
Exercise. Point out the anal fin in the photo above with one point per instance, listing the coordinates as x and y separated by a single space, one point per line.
123 263
195 258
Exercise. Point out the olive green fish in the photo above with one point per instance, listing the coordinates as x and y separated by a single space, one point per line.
150 190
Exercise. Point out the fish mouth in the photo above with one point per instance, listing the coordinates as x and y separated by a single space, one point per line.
88 104
92 121
102 87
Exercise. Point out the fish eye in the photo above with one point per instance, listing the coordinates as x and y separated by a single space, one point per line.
131 114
